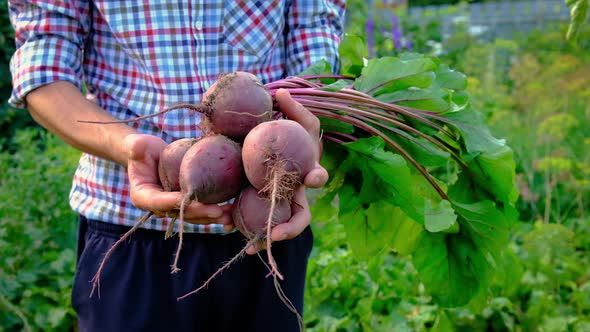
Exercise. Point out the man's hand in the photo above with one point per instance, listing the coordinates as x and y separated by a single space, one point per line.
316 178
146 193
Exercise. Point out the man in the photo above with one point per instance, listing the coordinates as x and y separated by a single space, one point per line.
136 58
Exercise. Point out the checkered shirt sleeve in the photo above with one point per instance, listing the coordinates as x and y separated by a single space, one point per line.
49 44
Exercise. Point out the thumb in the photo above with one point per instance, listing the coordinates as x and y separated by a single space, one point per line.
317 177
135 146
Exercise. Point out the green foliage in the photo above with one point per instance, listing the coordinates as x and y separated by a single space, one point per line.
579 11
376 24
544 90
37 234
464 201
11 120
533 92
541 284
6 49
345 294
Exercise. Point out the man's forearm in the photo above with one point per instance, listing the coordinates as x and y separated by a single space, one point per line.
59 106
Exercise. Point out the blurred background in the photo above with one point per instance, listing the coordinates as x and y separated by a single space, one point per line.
530 82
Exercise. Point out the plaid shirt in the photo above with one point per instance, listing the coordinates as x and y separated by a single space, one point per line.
137 57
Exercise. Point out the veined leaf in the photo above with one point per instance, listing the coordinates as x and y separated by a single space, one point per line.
407 232
451 267
379 227
337 86
370 231
353 51
332 158
450 79
431 98
384 203
495 171
348 202
327 124
390 74
385 175
424 152
487 226
440 217
318 68
472 128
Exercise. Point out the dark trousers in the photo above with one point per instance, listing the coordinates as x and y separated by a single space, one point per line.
138 292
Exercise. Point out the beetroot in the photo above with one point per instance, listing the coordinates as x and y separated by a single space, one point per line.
211 172
236 103
277 156
250 213
232 106
281 146
169 164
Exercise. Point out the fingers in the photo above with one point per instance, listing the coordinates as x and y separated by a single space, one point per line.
300 219
196 210
146 193
143 153
152 197
317 177
197 213
225 219
256 247
143 148
164 203
296 112
135 145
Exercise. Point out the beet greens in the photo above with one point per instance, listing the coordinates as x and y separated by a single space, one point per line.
402 140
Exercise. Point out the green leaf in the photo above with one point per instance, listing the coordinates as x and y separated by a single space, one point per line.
327 124
450 79
369 231
390 74
379 227
318 68
486 225
495 171
430 99
353 52
473 130
348 201
460 98
336 86
385 175
510 268
466 190
406 232
451 267
424 152
322 207
440 217
55 316
457 267
578 13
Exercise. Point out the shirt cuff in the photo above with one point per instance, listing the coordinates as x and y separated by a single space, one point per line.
43 61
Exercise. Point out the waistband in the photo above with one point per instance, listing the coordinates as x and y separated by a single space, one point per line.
118 230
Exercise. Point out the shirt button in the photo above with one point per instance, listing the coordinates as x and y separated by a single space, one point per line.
199 25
